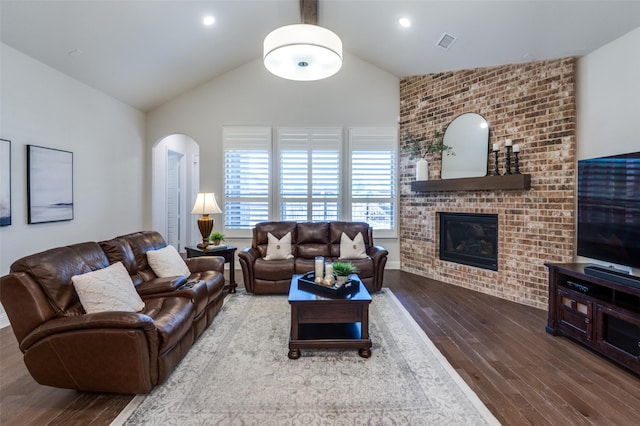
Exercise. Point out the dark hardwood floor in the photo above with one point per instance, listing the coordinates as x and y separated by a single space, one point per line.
500 348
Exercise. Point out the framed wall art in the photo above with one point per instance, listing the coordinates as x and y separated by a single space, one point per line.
49 184
5 182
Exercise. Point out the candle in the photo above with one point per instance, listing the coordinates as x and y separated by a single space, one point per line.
516 148
328 270
496 147
319 264
508 142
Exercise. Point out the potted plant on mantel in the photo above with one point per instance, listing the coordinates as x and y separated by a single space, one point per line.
420 147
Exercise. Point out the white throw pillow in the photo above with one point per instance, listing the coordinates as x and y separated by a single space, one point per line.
167 262
352 249
108 289
278 249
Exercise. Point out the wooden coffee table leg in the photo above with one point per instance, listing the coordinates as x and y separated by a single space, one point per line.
294 353
364 352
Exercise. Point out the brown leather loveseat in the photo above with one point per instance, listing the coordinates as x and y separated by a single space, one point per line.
115 351
308 240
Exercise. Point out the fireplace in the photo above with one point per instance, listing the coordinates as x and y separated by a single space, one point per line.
469 239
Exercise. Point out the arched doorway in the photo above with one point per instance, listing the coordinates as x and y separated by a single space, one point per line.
175 183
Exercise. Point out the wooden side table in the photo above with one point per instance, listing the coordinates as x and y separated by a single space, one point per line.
228 252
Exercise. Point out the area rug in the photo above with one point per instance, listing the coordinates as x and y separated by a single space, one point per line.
238 373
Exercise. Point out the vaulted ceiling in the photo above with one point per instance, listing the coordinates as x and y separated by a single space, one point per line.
145 52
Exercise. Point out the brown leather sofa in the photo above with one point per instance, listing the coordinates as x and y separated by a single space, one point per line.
308 240
123 352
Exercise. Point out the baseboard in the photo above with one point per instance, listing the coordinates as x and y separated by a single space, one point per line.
393 265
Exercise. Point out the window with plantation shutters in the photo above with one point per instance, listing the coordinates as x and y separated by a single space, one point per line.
308 174
247 153
372 166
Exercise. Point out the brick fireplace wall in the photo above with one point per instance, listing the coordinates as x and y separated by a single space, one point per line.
534 105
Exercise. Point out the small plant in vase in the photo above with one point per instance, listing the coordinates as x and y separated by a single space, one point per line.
421 147
216 238
342 270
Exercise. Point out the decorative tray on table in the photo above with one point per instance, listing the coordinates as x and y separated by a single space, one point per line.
307 282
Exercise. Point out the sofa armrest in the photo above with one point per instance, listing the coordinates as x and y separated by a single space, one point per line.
100 320
249 254
379 256
247 257
377 253
160 285
26 304
206 263
102 352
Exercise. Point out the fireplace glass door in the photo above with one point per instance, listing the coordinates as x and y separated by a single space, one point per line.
469 239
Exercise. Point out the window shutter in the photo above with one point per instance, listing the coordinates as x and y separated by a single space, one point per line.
309 173
373 159
247 153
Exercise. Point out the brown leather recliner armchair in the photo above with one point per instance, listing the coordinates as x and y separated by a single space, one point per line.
124 352
308 240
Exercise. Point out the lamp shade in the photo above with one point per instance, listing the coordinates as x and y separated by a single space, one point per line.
303 52
206 204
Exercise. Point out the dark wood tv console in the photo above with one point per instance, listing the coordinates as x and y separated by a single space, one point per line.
599 313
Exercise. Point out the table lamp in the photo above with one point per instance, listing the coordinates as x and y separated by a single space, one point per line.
205 205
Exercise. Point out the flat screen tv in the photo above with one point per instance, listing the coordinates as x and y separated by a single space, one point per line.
609 209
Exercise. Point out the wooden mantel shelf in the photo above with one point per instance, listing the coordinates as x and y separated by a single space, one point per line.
485 183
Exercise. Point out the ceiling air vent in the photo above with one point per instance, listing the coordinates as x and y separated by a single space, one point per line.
446 41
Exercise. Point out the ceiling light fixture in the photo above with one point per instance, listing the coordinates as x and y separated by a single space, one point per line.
208 20
303 52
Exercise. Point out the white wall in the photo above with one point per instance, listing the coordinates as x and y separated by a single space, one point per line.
608 99
40 106
608 102
359 95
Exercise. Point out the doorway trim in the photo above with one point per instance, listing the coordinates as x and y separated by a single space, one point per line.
189 148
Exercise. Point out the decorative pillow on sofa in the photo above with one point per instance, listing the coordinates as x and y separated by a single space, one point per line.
352 249
278 249
167 262
107 289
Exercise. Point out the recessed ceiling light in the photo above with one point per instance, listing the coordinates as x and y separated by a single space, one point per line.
404 22
76 52
208 20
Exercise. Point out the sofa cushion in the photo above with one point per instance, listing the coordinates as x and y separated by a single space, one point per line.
107 289
278 249
167 262
303 265
337 228
313 240
172 317
53 269
273 269
119 250
352 249
278 229
141 243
